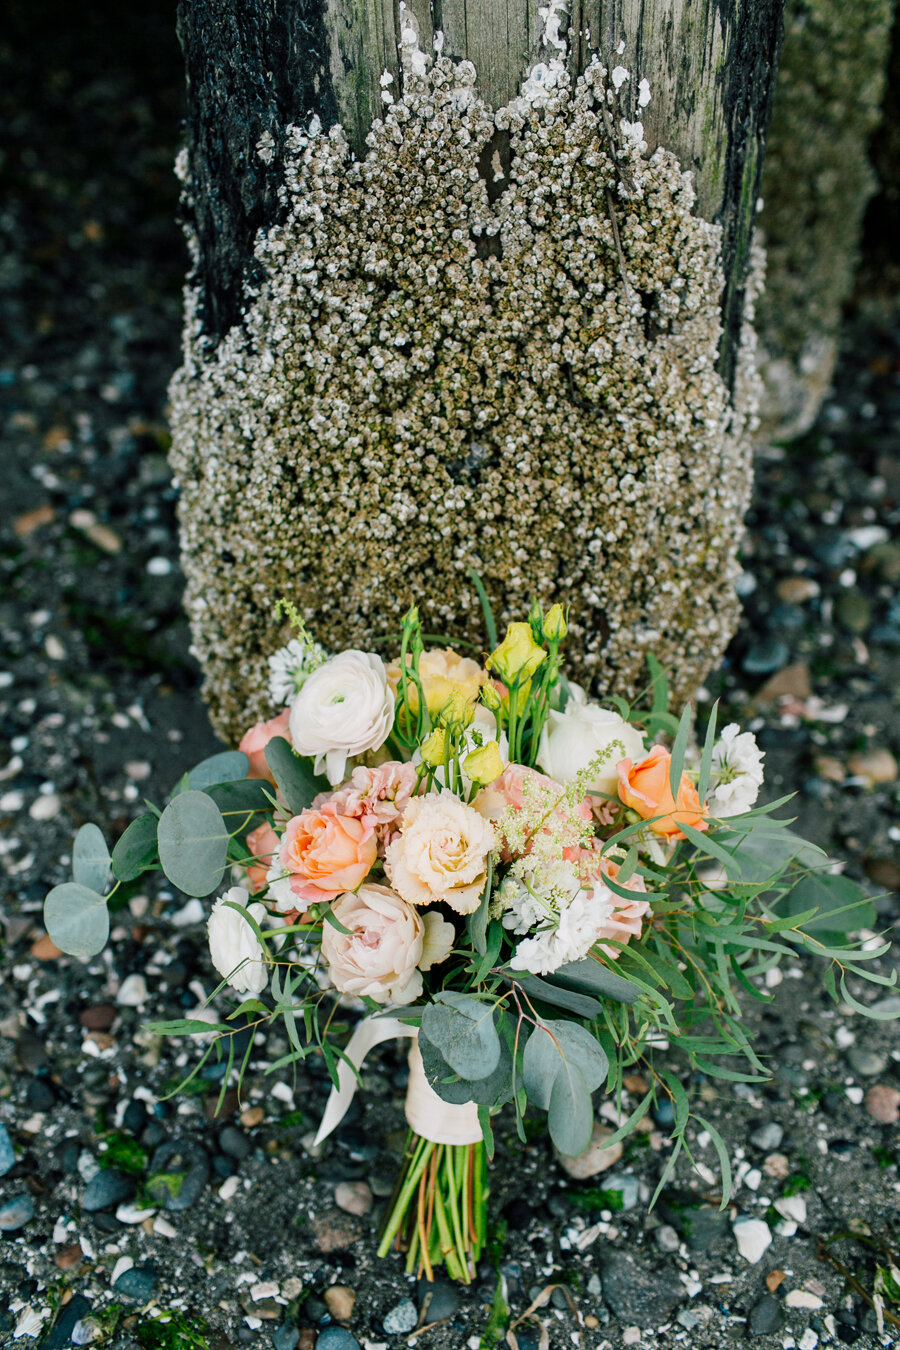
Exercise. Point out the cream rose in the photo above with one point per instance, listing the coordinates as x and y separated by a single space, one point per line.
235 950
571 739
345 708
379 957
441 852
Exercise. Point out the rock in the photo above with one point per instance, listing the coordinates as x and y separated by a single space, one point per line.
765 1316
99 1016
106 1189
443 1300
334 1230
354 1197
179 1171
596 1158
400 1319
866 1063
336 1338
765 657
703 1227
636 1292
792 1207
666 1238
792 682
135 1117
252 1117
7 1152
875 766
753 1237
883 1104
45 949
234 1142
887 1007
767 1137
67 1319
802 1298
133 992
794 590
340 1301
624 1185
16 1212
40 1095
853 611
285 1337
138 1283
67 1258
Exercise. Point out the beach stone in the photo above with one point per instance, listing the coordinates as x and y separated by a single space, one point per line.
753 1237
703 1227
765 1316
666 1238
596 1158
106 1189
767 1137
336 1338
16 1212
866 1063
638 1293
624 1185
334 1230
99 1016
876 766
340 1301
138 1283
401 1318
354 1197
883 1104
765 657
7 1152
444 1299
132 992
285 1337
40 1095
184 1158
68 1318
234 1142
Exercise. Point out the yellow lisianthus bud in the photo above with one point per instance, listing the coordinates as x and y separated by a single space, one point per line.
518 654
491 697
555 626
484 764
433 748
457 712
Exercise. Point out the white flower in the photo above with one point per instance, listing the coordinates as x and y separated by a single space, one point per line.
381 953
345 708
234 948
571 937
534 898
290 667
279 888
571 739
737 773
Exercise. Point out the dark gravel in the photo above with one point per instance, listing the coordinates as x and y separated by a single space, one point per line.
231 1223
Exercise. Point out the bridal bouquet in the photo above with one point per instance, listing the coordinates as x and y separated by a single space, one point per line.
527 884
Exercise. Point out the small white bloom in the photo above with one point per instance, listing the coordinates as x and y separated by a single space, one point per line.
234 948
278 886
737 773
290 667
345 707
571 937
571 739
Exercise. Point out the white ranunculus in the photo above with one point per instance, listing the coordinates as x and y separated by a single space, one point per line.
345 708
737 773
236 951
571 739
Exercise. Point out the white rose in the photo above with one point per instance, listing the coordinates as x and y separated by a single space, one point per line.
380 955
345 708
440 852
234 948
571 739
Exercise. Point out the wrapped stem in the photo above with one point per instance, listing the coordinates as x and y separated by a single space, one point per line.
439 1211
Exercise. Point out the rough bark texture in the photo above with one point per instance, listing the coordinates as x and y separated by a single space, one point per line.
492 326
817 182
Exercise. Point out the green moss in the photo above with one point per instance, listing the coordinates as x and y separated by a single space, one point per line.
173 1331
124 1153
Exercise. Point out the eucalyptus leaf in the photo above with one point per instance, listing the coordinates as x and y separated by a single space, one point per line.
293 774
447 1084
90 858
462 1028
243 803
225 767
557 996
77 919
571 1115
590 975
137 850
553 1044
193 843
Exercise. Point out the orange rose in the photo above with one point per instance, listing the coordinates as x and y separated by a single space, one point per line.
263 844
645 788
257 738
326 853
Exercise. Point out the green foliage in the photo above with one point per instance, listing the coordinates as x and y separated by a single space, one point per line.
77 919
193 843
123 1152
226 767
173 1331
293 774
592 1199
137 850
90 859
462 1029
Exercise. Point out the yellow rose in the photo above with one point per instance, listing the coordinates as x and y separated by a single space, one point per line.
443 673
518 655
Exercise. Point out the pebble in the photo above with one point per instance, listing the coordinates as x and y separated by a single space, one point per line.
233 1142
763 658
866 1063
98 1017
596 1158
285 1337
334 1230
883 1104
106 1189
337 1338
767 1137
765 1316
252 1117
753 1237
667 1239
67 1258
15 1213
637 1292
625 1185
794 590
354 1197
802 1298
138 1283
7 1152
443 1300
792 1207
45 807
400 1319
40 1095
177 1157
875 766
132 991
340 1301
67 1319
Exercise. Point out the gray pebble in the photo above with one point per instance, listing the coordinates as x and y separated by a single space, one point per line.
69 1316
625 1185
138 1283
186 1163
7 1152
767 1137
866 1063
764 658
336 1338
16 1213
106 1189
765 1316
401 1319
667 1239
444 1299
636 1291
234 1142
285 1337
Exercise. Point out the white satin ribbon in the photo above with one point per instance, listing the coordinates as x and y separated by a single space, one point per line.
433 1119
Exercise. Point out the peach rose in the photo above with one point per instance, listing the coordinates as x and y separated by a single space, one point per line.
377 797
257 738
645 788
386 947
326 853
440 852
262 843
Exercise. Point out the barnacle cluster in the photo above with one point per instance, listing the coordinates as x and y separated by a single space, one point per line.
490 343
